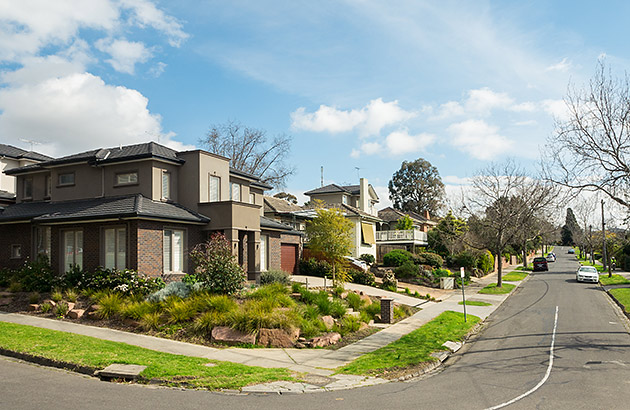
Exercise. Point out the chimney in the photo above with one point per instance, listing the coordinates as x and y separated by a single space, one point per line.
364 195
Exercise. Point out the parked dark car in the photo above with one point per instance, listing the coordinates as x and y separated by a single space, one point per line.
540 264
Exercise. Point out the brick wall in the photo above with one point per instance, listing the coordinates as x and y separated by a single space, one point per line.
274 250
15 234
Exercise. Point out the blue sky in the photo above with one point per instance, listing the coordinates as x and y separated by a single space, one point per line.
357 84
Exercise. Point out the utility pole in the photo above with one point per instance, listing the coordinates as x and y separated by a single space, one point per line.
590 242
604 255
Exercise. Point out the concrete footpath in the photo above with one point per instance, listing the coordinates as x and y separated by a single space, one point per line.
318 365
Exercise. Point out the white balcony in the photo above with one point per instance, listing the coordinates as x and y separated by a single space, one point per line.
414 236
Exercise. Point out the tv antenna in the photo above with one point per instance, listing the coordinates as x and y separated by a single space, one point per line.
32 142
358 176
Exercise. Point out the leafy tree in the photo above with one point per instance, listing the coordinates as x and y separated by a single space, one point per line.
287 197
404 223
571 231
330 235
590 149
250 151
446 236
216 267
417 187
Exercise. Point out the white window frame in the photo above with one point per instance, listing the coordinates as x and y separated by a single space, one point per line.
235 191
252 198
16 251
76 253
119 247
127 178
264 253
169 250
42 241
344 199
166 185
68 182
217 191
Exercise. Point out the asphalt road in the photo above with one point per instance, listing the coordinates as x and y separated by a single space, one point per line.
509 359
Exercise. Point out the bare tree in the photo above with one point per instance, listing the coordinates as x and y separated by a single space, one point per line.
591 147
250 151
585 213
504 203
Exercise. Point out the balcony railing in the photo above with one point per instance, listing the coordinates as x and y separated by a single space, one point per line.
415 236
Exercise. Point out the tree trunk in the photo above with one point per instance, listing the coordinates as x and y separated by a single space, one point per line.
499 271
525 253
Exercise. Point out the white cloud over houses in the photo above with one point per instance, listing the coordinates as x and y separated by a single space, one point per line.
479 139
367 121
51 96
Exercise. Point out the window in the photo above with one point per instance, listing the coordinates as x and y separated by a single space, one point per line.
48 186
16 251
28 188
264 245
115 245
72 250
252 198
42 241
367 234
173 247
127 178
66 179
214 188
235 191
166 185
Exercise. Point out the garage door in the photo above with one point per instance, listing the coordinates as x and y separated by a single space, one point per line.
289 257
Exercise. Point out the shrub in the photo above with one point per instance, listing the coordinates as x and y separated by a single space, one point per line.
363 278
276 294
307 296
402 311
439 273
15 287
125 281
216 266
465 259
56 296
45 307
110 305
222 304
178 289
37 275
372 309
314 267
406 270
33 297
338 309
368 258
354 301
180 311
257 314
151 320
206 321
136 310
275 276
429 258
311 328
6 277
71 295
485 262
396 257
389 282
349 324
61 309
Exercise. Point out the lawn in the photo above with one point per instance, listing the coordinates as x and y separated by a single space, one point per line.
613 280
415 347
623 296
600 268
476 303
492 289
515 276
528 268
170 368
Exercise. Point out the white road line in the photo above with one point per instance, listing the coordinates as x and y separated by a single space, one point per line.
553 342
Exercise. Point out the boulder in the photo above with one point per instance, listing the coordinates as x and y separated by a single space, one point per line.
227 335
326 340
278 337
71 305
363 325
366 299
92 315
76 313
329 322
33 307
51 302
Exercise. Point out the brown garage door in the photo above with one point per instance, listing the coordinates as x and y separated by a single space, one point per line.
289 257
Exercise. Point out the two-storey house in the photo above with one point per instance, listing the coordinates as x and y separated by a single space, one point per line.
14 157
358 204
141 207
389 237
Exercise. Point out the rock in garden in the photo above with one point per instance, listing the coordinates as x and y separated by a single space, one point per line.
76 313
33 307
300 345
296 296
329 322
363 325
366 298
326 340
93 308
277 337
93 315
51 302
227 335
70 305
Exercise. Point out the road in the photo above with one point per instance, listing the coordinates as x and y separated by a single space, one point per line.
509 359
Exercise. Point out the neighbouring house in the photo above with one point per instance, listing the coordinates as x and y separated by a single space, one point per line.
141 207
288 213
388 237
14 157
358 204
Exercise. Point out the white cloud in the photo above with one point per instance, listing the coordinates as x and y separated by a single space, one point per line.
371 148
77 112
562 66
455 180
146 14
556 108
369 120
125 54
400 142
479 139
383 196
484 100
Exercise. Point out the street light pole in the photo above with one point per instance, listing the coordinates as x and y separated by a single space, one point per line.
590 243
604 255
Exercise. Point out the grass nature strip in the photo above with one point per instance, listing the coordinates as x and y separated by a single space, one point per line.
171 368
515 276
415 347
476 303
492 289
623 296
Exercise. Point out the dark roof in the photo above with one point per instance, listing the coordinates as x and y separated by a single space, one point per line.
109 155
332 188
18 153
390 214
253 178
268 223
110 207
345 208
278 205
6 195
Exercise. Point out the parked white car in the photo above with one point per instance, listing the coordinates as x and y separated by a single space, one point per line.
551 257
357 263
587 274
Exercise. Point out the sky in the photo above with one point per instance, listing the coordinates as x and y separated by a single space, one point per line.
360 86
